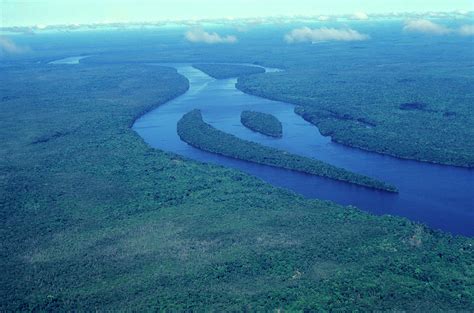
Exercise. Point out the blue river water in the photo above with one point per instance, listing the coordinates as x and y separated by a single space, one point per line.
439 196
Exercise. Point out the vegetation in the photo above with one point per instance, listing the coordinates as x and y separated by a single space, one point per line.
427 117
222 71
92 218
264 123
194 131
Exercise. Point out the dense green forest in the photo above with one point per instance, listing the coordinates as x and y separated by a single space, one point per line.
264 123
194 131
425 116
222 71
93 218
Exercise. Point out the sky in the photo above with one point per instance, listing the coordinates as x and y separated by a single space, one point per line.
53 12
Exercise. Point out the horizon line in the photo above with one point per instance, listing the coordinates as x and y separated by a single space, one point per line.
354 16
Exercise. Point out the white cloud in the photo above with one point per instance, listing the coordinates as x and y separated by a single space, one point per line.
305 34
462 12
426 26
362 16
199 35
323 18
9 47
466 30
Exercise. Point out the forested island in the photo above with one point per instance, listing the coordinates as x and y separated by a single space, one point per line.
222 71
263 123
194 131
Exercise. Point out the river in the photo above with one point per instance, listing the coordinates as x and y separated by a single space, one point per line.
439 196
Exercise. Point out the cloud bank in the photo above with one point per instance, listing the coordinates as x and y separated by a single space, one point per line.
7 46
429 27
466 30
426 27
306 34
199 35
361 16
